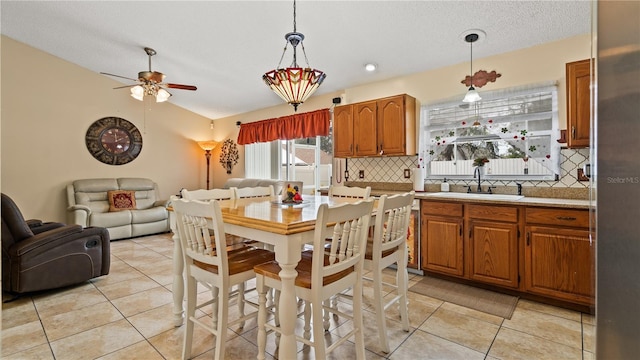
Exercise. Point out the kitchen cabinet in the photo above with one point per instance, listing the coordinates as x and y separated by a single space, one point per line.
378 127
559 255
441 237
493 241
578 75
343 131
546 252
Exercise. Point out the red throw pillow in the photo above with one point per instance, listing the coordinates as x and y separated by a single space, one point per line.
121 200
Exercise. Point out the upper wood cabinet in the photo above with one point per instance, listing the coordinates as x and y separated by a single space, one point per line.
378 127
343 131
578 103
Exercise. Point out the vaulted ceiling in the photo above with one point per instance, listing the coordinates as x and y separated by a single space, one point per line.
224 47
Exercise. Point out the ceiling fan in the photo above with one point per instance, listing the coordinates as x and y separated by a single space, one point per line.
151 83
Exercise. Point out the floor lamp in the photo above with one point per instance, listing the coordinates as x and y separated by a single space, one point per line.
207 146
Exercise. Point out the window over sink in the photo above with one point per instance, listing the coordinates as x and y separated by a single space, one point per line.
515 129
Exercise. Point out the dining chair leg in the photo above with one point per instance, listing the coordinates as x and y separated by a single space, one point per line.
223 318
262 317
357 320
191 310
402 282
318 332
325 317
241 288
214 307
379 309
307 320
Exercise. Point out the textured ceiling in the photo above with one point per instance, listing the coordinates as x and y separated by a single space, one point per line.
224 47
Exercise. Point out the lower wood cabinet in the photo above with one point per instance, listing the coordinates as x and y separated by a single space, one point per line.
546 252
494 253
441 237
559 259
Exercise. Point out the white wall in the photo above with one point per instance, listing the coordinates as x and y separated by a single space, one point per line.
47 106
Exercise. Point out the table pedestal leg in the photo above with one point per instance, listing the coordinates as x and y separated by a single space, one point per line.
178 281
287 317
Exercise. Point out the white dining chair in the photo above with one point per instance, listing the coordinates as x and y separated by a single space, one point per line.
207 262
389 246
322 275
254 192
350 192
210 194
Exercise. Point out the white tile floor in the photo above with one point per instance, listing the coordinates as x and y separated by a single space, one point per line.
128 315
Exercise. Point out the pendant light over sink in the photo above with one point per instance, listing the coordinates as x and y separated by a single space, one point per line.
472 95
294 84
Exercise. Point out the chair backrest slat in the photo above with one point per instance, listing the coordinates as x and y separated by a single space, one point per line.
211 194
254 192
347 225
350 192
392 221
192 220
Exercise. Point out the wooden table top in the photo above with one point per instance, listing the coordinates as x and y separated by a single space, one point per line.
267 215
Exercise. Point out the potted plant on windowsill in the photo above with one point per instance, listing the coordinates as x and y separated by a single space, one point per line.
479 164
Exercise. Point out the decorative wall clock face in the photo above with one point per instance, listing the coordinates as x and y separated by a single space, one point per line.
113 141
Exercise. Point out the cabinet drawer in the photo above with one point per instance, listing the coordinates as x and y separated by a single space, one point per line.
563 217
441 208
489 212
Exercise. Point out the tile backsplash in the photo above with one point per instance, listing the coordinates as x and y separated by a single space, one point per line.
393 170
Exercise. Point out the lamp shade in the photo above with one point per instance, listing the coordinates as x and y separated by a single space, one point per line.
294 85
207 145
471 96
162 95
137 92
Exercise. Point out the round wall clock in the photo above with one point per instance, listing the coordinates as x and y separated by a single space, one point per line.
113 141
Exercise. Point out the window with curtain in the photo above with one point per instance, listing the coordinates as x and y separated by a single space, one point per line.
296 147
514 129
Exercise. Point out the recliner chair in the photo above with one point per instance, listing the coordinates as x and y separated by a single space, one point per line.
40 256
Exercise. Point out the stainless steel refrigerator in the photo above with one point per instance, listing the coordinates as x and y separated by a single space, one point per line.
617 178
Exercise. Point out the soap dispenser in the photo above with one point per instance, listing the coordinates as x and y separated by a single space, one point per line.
444 186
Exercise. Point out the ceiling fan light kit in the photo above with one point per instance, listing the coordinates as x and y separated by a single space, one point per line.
151 83
472 95
294 84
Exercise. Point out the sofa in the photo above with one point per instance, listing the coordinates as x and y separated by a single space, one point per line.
126 207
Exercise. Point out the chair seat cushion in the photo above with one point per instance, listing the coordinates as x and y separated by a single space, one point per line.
272 269
240 261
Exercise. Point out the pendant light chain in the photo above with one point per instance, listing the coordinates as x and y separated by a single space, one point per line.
471 70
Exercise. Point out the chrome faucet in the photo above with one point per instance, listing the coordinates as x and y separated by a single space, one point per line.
477 172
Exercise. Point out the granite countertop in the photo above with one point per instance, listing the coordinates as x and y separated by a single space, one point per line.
526 200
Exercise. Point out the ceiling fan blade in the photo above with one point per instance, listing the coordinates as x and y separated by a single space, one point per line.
124 77
125 86
181 87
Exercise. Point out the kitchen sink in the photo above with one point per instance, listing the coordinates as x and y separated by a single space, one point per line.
477 196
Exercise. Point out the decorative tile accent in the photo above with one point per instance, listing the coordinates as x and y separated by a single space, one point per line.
391 170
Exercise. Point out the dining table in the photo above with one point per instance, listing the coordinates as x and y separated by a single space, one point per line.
287 227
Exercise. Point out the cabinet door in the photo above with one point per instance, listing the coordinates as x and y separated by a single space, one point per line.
343 131
494 253
391 126
559 262
442 245
364 128
578 103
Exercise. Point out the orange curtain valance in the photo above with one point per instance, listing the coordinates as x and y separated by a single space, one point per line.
298 126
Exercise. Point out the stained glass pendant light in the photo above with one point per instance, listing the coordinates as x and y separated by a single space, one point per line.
472 95
294 84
